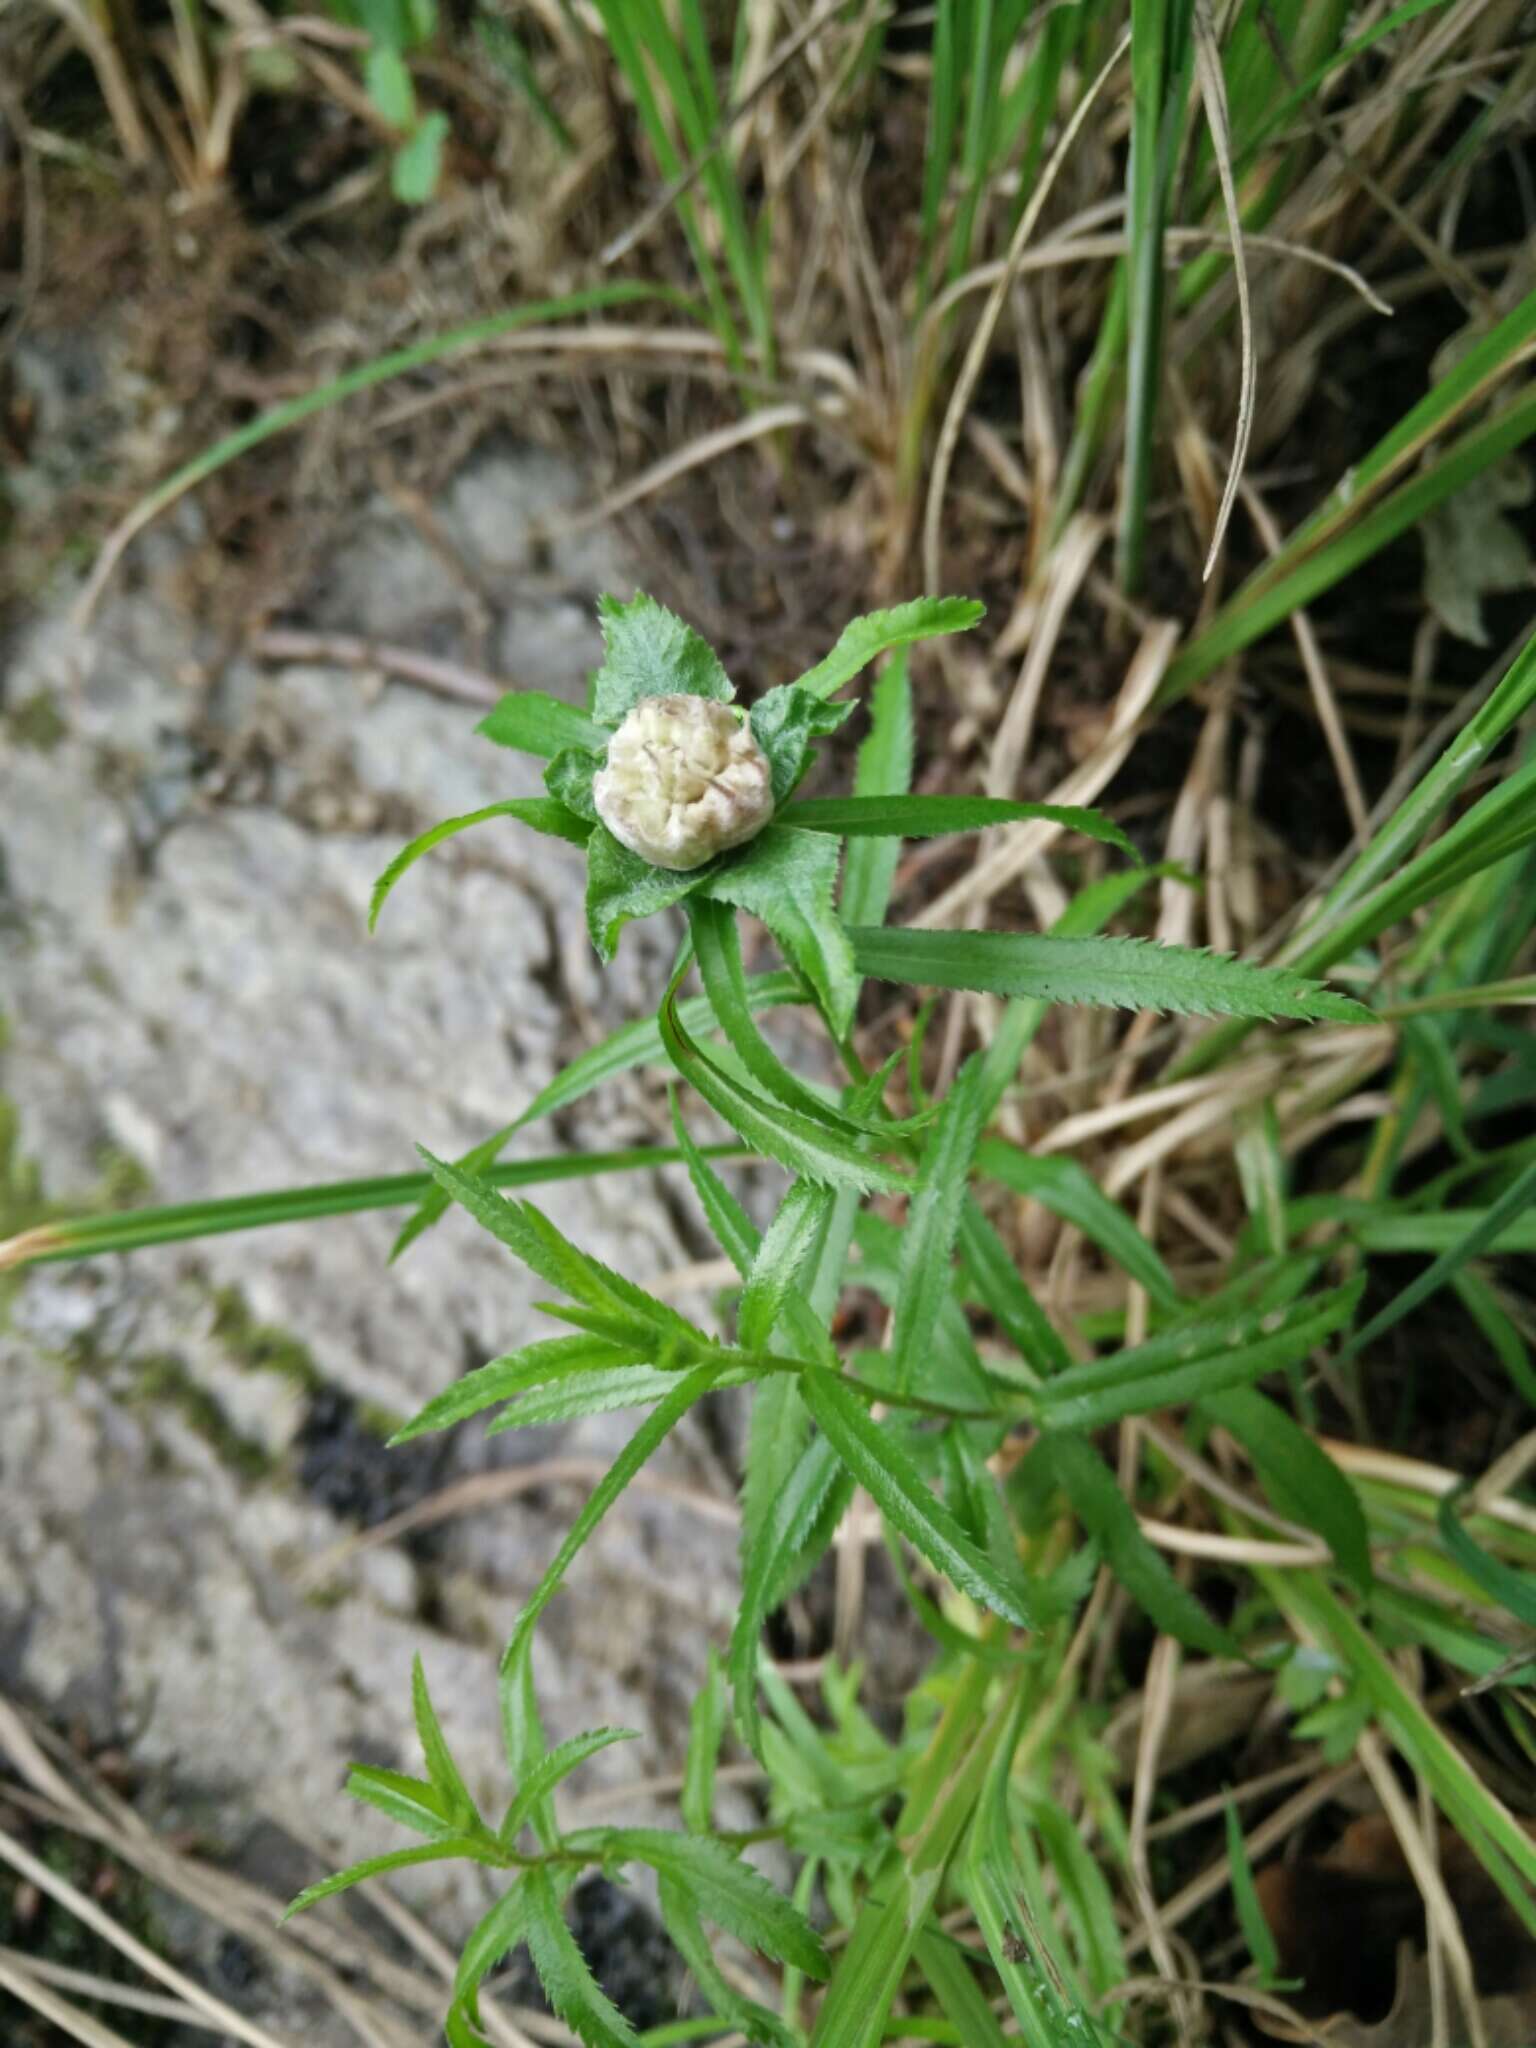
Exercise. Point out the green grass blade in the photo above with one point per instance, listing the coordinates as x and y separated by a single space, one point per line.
544 814
927 817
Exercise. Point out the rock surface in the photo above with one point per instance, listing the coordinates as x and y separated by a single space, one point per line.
192 1007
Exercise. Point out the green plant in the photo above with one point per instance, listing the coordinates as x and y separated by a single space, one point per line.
394 29
982 1465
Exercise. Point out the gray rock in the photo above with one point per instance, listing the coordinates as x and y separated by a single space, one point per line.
190 997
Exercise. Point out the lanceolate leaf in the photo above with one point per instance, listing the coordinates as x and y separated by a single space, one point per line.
1513 1590
1063 1187
502 1930
533 1366
551 1770
594 1393
876 633
790 1514
1108 1516
680 1914
728 1891
1191 1362
1004 1295
538 724
927 817
804 1146
706 1730
884 770
441 1768
788 879
884 1469
632 1045
477 1848
1128 974
787 1244
543 813
1298 1475
568 1984
649 652
412 1802
927 1243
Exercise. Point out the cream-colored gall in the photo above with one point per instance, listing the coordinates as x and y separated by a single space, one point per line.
684 780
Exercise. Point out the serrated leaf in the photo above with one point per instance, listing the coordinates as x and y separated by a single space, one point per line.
1127 974
530 1235
632 1045
1108 1517
523 1730
884 769
535 723
928 1241
651 1434
790 1515
568 778
417 164
595 1393
929 817
786 1245
551 1770
503 1929
476 1849
788 879
1298 1475
785 723
441 1768
796 1141
706 1730
1068 1191
515 1373
622 887
1193 1362
865 639
412 1802
543 813
680 1915
649 652
568 1983
1003 1294
728 1891
884 1469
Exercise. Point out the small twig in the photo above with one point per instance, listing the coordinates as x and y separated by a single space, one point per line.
1214 92
350 650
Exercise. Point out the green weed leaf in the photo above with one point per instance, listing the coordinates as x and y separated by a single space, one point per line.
1298 1475
1127 974
929 817
622 887
884 769
1108 1517
542 813
865 639
551 1770
568 1983
649 652
789 879
884 1469
476 1848
728 1891
927 1243
535 723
